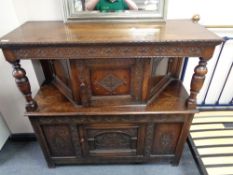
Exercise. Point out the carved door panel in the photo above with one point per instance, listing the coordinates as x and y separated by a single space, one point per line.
59 140
108 81
114 140
166 137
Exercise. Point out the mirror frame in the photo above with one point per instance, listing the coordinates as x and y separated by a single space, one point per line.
129 16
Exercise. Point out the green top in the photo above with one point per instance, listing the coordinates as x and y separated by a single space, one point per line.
108 6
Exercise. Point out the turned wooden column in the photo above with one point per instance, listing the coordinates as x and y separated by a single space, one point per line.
23 84
197 82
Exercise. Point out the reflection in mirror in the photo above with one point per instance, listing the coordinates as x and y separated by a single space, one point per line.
159 71
116 5
116 10
78 5
161 75
111 5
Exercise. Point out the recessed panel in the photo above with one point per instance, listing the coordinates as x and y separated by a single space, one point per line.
166 137
59 140
61 71
113 139
110 81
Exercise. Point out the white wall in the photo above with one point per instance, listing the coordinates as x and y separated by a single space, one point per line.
224 64
15 12
12 102
212 12
4 132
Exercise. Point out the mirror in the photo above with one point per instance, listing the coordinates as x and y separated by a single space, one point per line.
161 74
114 10
159 70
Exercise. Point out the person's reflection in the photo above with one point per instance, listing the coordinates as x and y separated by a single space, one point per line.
111 5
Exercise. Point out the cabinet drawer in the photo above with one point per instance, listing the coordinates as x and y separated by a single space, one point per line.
112 139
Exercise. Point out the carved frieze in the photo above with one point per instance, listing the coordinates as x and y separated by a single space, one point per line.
112 119
106 51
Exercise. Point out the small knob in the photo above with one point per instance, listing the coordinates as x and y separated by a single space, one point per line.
82 140
196 18
82 84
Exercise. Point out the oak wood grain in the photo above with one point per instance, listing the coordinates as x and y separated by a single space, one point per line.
56 32
52 102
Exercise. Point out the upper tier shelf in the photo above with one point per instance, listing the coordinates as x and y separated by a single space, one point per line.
93 62
51 102
56 32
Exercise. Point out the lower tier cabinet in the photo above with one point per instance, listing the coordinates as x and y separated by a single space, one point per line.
111 139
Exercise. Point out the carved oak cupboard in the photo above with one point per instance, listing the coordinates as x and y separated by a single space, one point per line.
112 92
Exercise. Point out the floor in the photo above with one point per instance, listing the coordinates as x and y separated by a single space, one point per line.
212 137
24 158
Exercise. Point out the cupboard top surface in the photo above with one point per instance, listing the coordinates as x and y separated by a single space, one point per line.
171 101
56 32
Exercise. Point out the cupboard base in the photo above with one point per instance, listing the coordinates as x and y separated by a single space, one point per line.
112 139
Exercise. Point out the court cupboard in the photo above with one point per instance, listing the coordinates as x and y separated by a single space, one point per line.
112 92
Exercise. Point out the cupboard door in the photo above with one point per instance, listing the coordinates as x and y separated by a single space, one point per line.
166 137
59 141
114 140
108 82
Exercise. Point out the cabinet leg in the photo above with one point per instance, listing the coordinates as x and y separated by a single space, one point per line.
24 85
175 162
197 82
51 164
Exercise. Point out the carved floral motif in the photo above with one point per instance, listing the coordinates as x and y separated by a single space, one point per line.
111 119
113 140
105 51
149 138
166 139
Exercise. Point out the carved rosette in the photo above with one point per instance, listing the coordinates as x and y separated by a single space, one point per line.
197 82
166 139
24 85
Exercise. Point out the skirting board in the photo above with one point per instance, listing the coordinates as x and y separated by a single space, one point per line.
22 137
